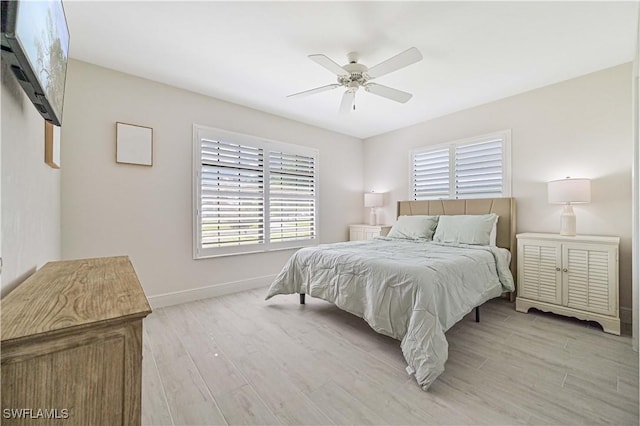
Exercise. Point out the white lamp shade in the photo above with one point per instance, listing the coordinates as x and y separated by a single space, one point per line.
569 191
373 199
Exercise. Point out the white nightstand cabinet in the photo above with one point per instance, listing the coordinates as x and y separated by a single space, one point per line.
367 232
572 276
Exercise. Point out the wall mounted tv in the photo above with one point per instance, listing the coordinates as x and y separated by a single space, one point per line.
35 45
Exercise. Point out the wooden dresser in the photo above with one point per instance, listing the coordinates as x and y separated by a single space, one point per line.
71 345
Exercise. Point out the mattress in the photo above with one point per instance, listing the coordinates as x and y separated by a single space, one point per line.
413 291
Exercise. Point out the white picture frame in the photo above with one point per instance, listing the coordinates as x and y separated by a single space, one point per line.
134 144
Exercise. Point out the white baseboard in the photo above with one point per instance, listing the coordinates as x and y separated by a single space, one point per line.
184 296
626 315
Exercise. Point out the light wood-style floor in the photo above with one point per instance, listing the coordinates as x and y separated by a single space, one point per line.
240 360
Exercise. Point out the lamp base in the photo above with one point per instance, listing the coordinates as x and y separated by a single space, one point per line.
568 221
373 216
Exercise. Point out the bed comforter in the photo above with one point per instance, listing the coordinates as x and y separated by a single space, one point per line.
410 290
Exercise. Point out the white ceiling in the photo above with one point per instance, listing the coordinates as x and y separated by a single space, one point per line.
255 53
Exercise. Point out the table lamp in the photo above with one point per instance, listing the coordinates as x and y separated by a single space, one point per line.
373 200
569 191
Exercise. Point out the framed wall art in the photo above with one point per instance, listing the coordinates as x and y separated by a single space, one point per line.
134 144
52 145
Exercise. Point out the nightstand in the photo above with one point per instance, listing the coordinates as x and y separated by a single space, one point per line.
572 276
367 232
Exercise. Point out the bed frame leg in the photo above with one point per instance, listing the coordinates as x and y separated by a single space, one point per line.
477 313
302 298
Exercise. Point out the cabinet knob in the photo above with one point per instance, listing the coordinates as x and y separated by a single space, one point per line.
565 270
557 268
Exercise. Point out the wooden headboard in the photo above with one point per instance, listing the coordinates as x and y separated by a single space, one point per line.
505 208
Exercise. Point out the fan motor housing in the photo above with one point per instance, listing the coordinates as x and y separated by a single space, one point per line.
355 68
356 77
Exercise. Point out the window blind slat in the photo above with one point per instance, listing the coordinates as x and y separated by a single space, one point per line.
478 170
232 185
430 174
292 197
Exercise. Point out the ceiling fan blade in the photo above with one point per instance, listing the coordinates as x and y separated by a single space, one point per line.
388 92
347 101
401 60
328 64
314 91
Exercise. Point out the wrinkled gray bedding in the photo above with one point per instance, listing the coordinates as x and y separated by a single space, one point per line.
413 291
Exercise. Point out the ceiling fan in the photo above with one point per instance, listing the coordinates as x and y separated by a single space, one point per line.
354 75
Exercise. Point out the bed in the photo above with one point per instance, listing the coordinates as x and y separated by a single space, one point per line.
411 290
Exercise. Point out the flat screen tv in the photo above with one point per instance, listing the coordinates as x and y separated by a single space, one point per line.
35 45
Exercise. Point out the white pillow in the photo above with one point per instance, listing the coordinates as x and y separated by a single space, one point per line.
466 229
494 233
414 227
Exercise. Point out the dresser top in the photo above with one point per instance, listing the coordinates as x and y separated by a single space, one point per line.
565 238
75 293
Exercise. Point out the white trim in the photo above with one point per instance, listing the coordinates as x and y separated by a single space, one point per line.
195 185
452 167
184 296
506 162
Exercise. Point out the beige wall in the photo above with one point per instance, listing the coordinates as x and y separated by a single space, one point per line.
30 209
580 128
146 212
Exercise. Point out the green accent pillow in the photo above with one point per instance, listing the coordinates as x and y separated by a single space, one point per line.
466 229
414 227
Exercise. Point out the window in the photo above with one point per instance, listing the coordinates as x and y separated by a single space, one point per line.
252 195
478 167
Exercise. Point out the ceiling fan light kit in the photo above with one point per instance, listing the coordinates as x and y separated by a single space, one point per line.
354 75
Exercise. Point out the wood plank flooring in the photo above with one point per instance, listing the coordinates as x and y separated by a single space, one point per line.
237 359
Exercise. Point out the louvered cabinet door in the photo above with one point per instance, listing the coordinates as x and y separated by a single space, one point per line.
575 276
590 277
540 274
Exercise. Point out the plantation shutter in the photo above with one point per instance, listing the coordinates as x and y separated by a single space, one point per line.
252 195
431 174
292 197
231 194
473 168
479 169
